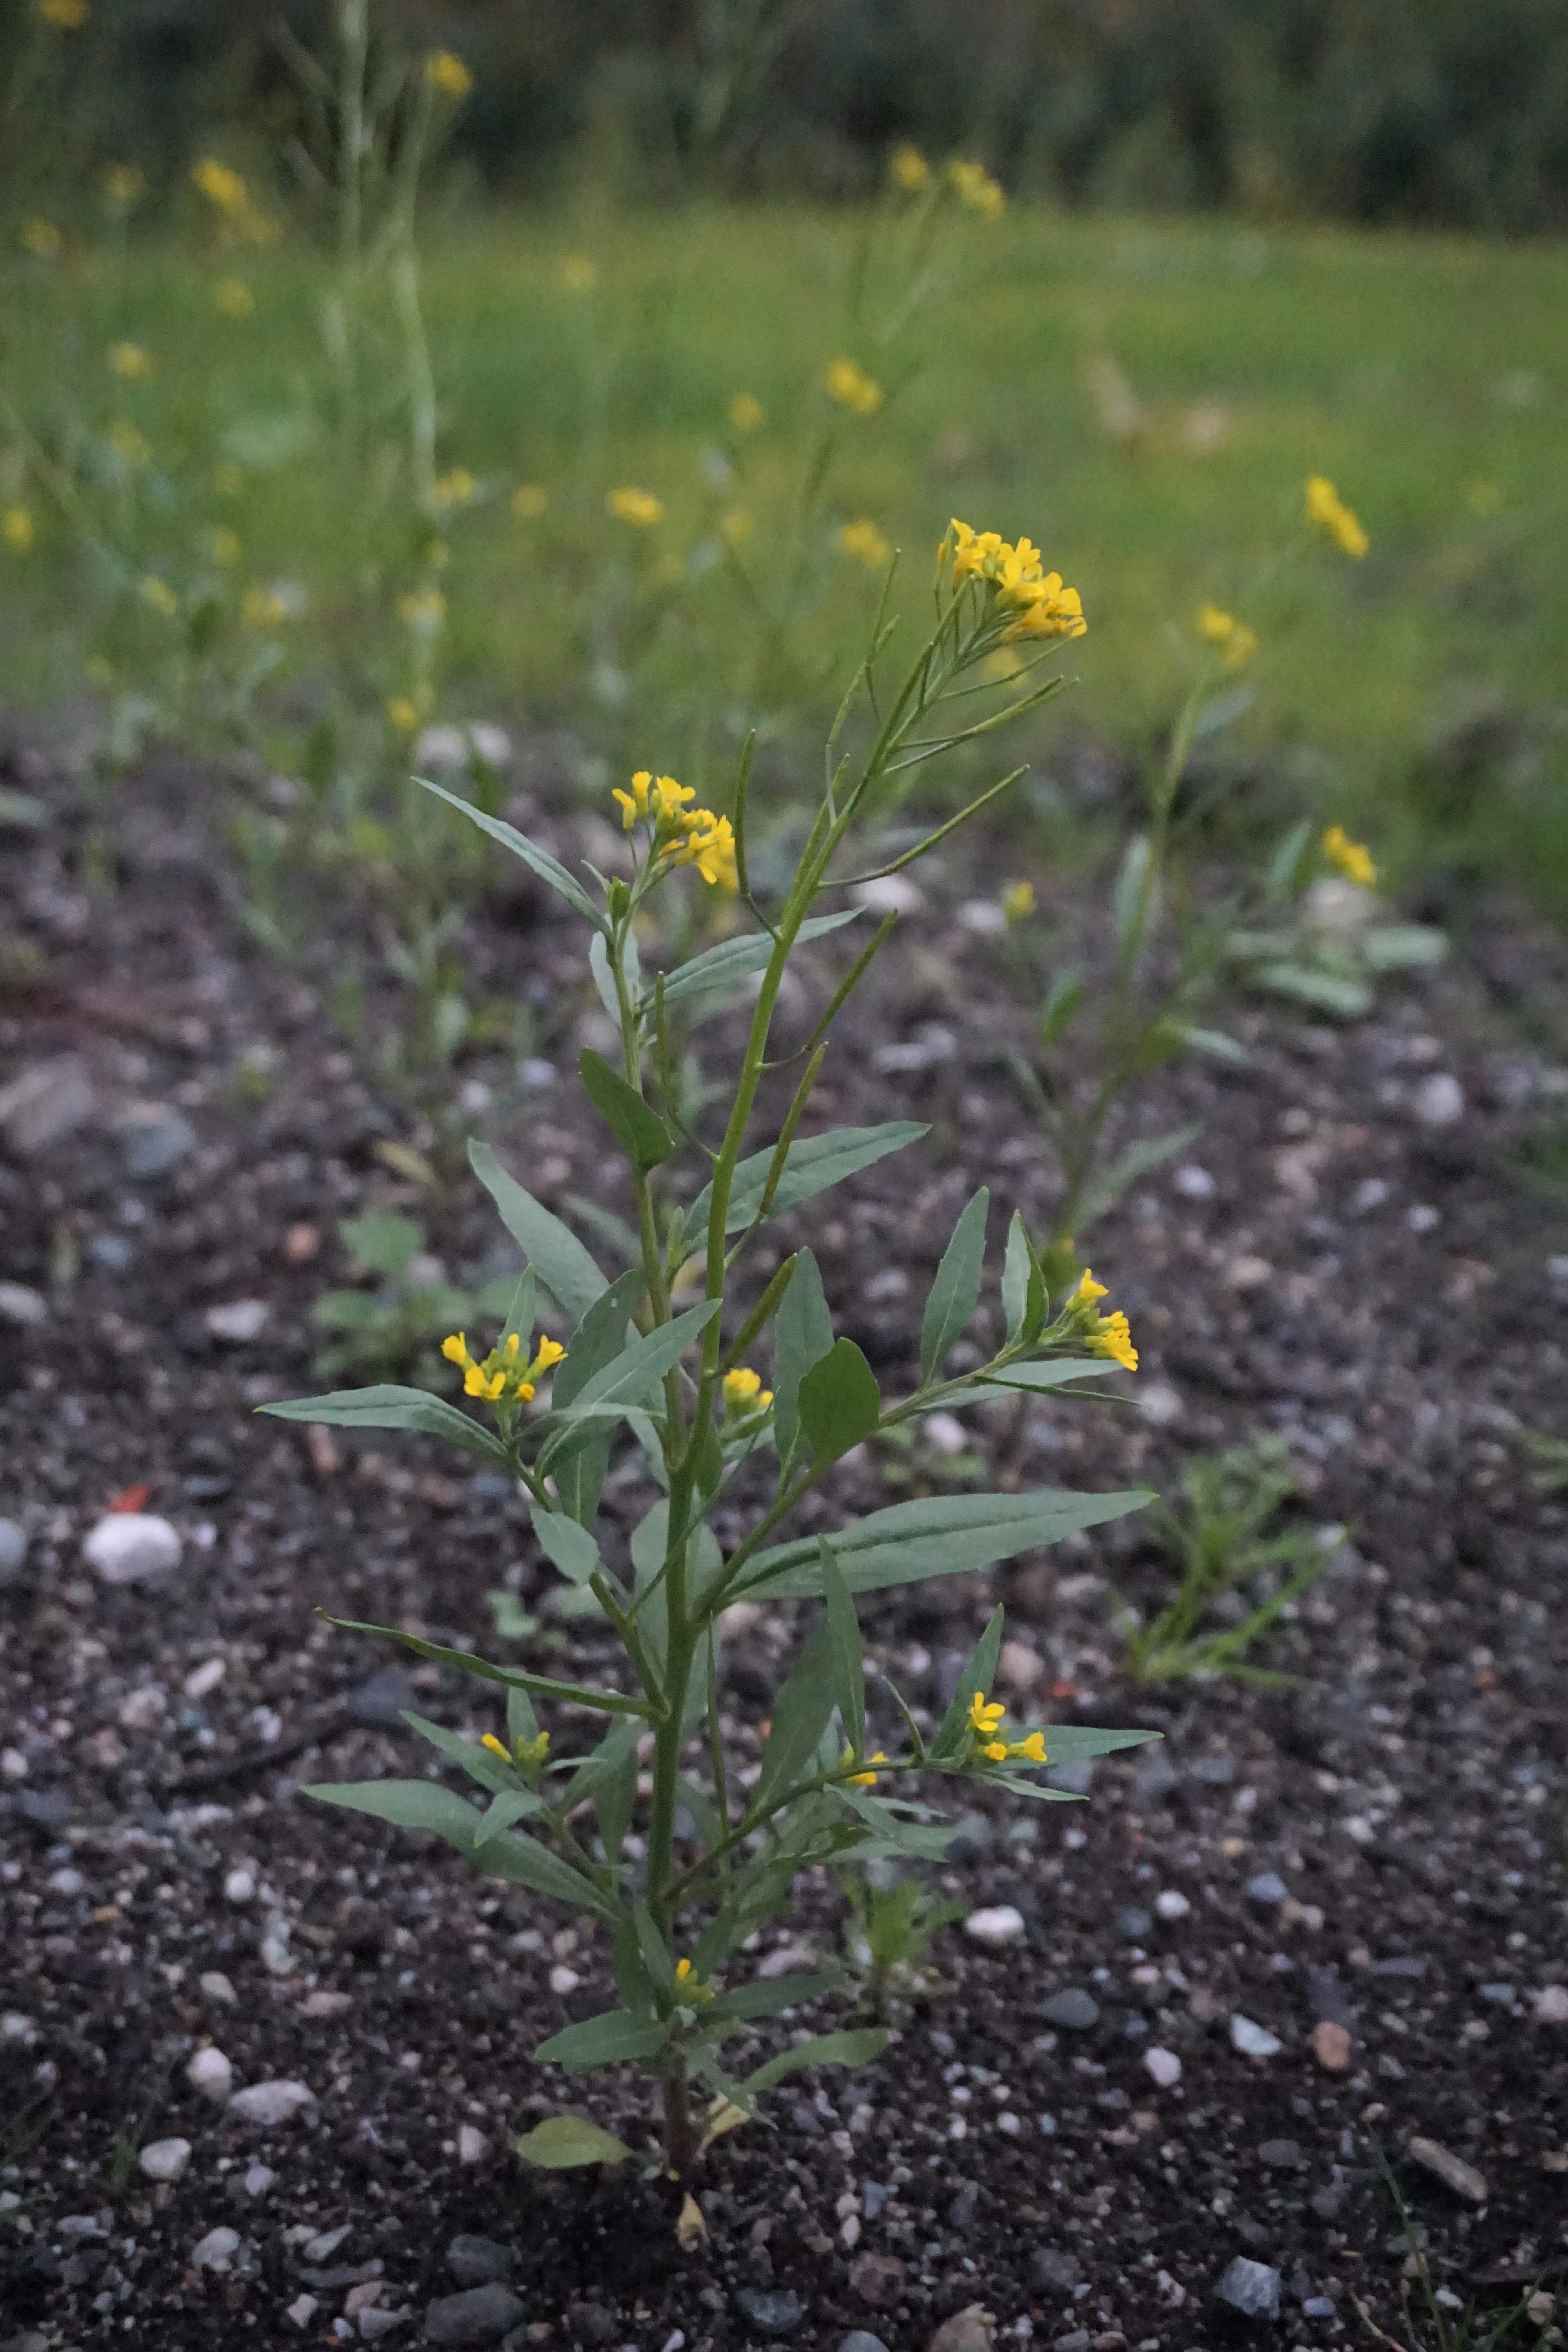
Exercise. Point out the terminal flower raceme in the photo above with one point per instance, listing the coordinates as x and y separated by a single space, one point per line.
986 1721
744 1393
639 508
864 542
853 389
1327 511
1032 601
1353 858
910 168
505 1376
681 835
1232 640
449 74
688 1985
974 186
1107 1334
529 1753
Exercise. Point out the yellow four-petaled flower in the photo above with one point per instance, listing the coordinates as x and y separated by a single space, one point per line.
1353 858
1327 511
1038 603
506 1375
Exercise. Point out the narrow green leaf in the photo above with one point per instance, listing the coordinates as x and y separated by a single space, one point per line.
1137 1160
767 1996
512 1677
626 1379
1017 1267
857 2047
598 1340
603 2041
656 1952
1054 1372
839 1402
974 1683
844 1637
557 1256
386 1407
549 869
1132 909
510 1805
570 1548
1331 991
940 1534
522 1310
563 2142
707 983
803 1335
406 1805
521 1723
955 1293
815 1162
1214 1044
1066 994
477 1762
634 1124
800 1716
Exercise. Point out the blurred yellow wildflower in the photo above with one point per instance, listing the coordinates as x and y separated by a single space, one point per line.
1040 606
529 499
423 610
852 388
226 547
128 442
504 1377
122 185
454 490
744 1393
688 1985
579 274
17 530
42 239
497 1747
1232 640
658 801
1327 511
746 412
233 298
639 508
263 608
867 1779
1353 858
400 709
160 596
131 362
1106 1334
447 72
973 186
65 15
1018 901
910 168
222 187
864 542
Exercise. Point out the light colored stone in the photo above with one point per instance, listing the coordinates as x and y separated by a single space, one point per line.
891 894
1252 2288
1438 1100
203 1678
1002 1924
143 1709
472 2145
270 2102
12 1550
1019 1665
216 2250
1172 1904
211 2074
44 1105
327 2004
239 1884
1164 2065
1450 2170
133 1547
1330 2045
1252 2040
302 2310
968 2330
165 2159
1552 2005
238 1321
215 1987
945 1431
24 1307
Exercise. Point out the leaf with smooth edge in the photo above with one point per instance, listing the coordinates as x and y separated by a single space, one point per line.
539 861
716 970
511 1677
1017 1268
634 1124
1137 1160
929 1841
559 1259
602 2040
767 1997
973 1682
477 1762
1067 1742
570 1548
813 1163
597 1340
625 1380
955 1293
562 2142
839 1402
406 1805
941 1535
844 1635
800 1716
803 1335
1052 1373
857 2047
510 1805
386 1407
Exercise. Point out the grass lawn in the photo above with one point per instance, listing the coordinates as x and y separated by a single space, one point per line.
1144 399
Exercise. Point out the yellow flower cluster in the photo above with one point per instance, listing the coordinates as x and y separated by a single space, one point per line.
1107 1334
1353 858
986 1721
1042 607
744 1393
864 542
225 191
130 362
504 1377
1327 511
681 835
17 530
853 389
529 1753
910 169
1018 901
639 508
973 186
449 74
1232 640
688 1985
745 412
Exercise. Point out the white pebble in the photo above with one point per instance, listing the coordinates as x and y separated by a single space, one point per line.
215 1986
258 2179
984 917
215 2251
211 2074
238 1321
165 2159
1438 1100
1172 1904
65 1882
1253 2041
1009 2123
302 2310
239 1887
1193 1182
891 894
204 1678
1552 2005
142 1710
327 2004
270 2102
946 1432
1160 1403
958 2128
133 1547
563 1980
1002 1924
14 1765
1164 2065
472 2145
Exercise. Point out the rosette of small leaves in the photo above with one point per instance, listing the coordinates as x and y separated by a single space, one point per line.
655 1831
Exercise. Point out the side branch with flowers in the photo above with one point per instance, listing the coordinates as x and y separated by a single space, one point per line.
683 1858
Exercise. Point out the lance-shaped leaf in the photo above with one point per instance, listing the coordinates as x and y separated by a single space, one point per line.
510 1678
1137 1160
425 1805
707 983
840 1403
477 1762
1052 1372
510 1806
603 2041
570 1548
955 1293
803 1335
844 1637
560 2143
386 1407
800 1716
815 1162
599 1339
626 1379
549 869
1023 1284
857 2047
557 1256
925 1840
767 1997
940 1535
634 1124
973 1682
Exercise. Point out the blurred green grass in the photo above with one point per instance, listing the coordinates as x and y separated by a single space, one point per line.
1421 694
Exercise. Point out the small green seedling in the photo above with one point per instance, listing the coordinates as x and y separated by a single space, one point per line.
396 1327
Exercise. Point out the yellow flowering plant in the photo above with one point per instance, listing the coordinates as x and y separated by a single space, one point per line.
656 1831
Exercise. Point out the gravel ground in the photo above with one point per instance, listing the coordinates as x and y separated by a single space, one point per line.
1231 2003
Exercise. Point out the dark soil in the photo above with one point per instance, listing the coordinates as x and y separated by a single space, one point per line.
1324 1263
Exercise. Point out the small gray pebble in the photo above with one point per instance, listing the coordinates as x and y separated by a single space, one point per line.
1051 2267
1214 1772
1133 1924
1403 1964
974 1836
962 2211
154 1140
1074 1776
942 2043
1075 2341
1252 2288
777 2311
482 2315
474 2261
1267 1888
1282 2155
1319 2306
381 1700
860 2340
874 2195
1156 1775
12 1550
590 2323
1072 2009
